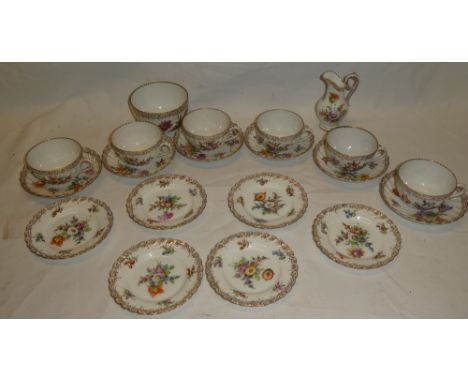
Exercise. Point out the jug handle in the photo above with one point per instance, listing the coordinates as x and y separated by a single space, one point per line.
354 78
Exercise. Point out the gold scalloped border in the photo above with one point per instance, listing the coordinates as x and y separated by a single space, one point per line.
142 244
108 148
386 178
137 188
335 258
231 153
38 215
263 235
345 179
94 156
248 134
293 181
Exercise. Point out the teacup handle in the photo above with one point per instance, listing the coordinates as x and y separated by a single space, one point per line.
380 153
459 191
234 131
164 149
308 134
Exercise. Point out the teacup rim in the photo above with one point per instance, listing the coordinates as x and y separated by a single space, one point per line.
56 170
206 137
164 113
135 152
420 194
346 156
274 137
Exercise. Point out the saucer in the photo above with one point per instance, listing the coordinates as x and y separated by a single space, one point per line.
267 200
251 269
115 165
166 202
68 228
370 171
155 276
279 152
451 211
356 236
225 150
91 167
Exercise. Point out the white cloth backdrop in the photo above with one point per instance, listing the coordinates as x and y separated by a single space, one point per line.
416 110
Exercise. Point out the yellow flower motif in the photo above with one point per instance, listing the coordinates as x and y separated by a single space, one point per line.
363 176
250 271
260 196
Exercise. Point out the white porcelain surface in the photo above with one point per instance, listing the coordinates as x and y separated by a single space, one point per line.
206 122
352 141
279 123
68 228
431 213
88 169
251 269
155 276
427 177
159 97
356 236
53 154
136 136
166 202
267 200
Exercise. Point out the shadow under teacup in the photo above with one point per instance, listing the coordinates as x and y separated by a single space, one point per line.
353 148
208 128
163 103
55 161
137 143
426 184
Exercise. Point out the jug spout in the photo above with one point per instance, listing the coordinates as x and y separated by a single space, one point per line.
330 77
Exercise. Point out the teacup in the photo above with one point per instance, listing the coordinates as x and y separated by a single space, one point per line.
426 184
55 161
279 128
137 143
352 148
163 103
208 128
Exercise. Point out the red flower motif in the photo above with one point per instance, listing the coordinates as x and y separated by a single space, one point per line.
165 125
39 184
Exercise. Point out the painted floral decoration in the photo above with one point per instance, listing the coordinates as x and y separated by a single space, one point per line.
251 270
74 229
166 204
268 205
156 277
355 238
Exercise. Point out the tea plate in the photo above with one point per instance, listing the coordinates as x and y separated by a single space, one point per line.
90 168
267 200
223 151
251 269
278 151
356 236
115 165
155 276
448 212
166 202
68 228
372 170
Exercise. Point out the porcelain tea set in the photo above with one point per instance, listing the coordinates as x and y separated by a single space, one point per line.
248 268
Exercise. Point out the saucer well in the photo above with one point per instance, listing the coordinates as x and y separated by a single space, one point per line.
115 165
251 269
166 201
68 228
448 212
155 276
278 151
223 151
355 174
356 236
267 200
90 167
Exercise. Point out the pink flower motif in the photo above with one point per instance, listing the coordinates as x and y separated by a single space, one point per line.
165 125
167 216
